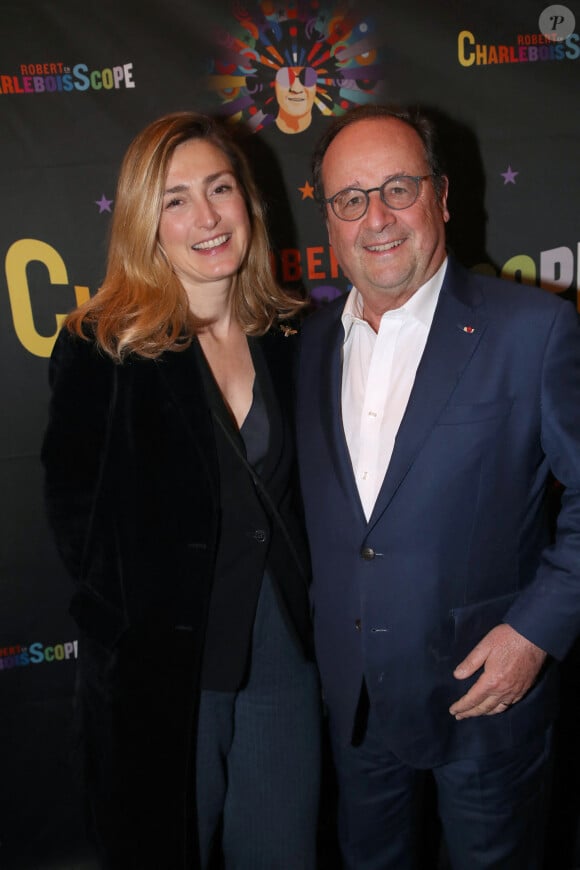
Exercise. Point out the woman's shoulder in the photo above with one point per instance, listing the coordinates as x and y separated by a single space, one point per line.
282 336
78 358
280 344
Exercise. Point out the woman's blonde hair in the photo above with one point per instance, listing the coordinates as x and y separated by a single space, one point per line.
141 306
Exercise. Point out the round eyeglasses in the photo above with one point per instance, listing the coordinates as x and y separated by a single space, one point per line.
398 192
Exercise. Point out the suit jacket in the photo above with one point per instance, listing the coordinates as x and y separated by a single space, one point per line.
132 489
458 540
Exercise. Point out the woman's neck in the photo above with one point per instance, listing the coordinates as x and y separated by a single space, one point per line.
212 302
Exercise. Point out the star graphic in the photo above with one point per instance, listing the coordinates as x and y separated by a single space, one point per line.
509 176
307 191
104 204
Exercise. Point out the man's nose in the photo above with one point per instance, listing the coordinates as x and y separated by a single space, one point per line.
378 213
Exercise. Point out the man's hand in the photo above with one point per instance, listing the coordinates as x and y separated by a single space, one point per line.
510 664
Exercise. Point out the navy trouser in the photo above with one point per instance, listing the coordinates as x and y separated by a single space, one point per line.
258 756
492 809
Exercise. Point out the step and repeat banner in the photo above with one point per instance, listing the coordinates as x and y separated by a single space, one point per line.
77 81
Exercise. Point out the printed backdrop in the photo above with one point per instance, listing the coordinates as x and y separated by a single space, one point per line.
77 81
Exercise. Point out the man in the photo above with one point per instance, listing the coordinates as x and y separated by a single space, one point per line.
432 407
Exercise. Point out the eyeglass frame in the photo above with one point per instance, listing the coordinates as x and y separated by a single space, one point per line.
283 77
416 178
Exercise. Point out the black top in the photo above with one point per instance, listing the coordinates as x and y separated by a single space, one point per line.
255 430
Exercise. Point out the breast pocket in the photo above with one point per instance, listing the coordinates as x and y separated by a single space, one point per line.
464 443
476 412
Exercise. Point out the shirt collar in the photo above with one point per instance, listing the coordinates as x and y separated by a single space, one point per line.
421 305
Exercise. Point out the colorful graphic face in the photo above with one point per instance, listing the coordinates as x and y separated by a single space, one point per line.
388 253
204 228
295 88
329 59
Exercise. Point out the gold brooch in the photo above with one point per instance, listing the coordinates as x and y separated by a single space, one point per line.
287 330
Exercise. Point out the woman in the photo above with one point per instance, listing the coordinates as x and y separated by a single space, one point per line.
170 488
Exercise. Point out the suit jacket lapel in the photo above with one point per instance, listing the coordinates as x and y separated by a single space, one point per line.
457 328
331 413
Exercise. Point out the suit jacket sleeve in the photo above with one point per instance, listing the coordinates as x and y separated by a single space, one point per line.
548 611
82 382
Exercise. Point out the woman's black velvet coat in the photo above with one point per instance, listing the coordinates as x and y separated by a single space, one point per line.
132 488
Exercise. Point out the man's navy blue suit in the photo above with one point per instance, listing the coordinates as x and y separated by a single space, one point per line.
458 541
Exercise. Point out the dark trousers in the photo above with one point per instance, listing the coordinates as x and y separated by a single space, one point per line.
492 809
258 757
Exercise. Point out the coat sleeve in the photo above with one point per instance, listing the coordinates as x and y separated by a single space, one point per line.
548 611
74 450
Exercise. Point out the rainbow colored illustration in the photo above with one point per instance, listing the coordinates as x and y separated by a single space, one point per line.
336 49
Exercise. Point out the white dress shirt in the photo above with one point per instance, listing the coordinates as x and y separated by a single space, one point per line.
378 373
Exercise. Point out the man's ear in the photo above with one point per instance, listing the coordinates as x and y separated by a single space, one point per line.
443 198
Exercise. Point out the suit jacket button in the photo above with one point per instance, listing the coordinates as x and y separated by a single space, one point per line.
357 624
367 553
260 536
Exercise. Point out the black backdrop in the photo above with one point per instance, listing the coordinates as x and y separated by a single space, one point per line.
77 81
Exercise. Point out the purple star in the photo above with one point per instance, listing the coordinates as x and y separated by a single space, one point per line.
509 176
104 204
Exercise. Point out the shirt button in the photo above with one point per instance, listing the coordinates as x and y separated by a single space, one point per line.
260 535
357 624
367 553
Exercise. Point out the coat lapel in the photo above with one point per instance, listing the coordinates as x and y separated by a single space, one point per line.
274 372
181 375
457 329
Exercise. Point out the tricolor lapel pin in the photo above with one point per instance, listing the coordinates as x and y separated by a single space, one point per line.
468 329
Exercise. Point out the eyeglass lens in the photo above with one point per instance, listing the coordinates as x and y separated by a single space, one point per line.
400 192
